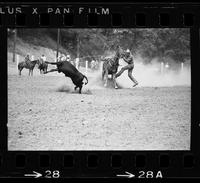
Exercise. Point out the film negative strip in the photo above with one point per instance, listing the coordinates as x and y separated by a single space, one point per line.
128 106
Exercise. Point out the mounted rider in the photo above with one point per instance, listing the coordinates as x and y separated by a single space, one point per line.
128 58
27 58
43 59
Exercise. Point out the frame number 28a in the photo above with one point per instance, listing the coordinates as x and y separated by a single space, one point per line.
150 174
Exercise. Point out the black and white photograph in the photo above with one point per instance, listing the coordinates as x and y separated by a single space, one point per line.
99 89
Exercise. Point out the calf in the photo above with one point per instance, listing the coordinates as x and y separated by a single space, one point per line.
70 71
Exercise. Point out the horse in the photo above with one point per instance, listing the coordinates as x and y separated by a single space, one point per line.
42 66
110 66
28 65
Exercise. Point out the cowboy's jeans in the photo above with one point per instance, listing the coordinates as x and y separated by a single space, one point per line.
128 67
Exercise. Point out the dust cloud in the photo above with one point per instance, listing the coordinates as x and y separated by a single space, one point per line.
155 75
147 75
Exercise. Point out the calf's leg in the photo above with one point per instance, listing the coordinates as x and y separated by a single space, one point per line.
75 87
80 88
52 70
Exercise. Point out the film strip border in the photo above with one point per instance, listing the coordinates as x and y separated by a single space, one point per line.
100 164
99 15
106 163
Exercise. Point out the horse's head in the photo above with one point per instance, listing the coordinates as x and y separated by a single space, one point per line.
119 53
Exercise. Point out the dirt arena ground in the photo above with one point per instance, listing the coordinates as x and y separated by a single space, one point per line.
44 113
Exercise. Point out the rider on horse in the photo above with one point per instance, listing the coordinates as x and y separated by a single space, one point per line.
128 58
43 59
27 59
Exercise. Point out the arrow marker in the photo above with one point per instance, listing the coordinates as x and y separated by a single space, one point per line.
35 175
128 175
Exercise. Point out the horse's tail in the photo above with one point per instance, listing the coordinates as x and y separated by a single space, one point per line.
86 79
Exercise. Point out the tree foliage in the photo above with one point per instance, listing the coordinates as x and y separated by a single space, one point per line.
149 43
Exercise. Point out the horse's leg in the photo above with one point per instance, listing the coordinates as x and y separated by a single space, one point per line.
103 73
20 70
114 80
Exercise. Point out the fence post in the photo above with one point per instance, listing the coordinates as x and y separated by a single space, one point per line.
58 42
17 58
182 66
101 65
161 67
86 67
14 45
77 62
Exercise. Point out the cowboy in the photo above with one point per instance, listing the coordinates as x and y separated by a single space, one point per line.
92 64
96 64
128 58
58 58
43 59
27 58
63 57
32 57
68 58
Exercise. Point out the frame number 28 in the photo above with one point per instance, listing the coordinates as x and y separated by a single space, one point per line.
52 174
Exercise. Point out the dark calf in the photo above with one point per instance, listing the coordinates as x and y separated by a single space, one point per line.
70 71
